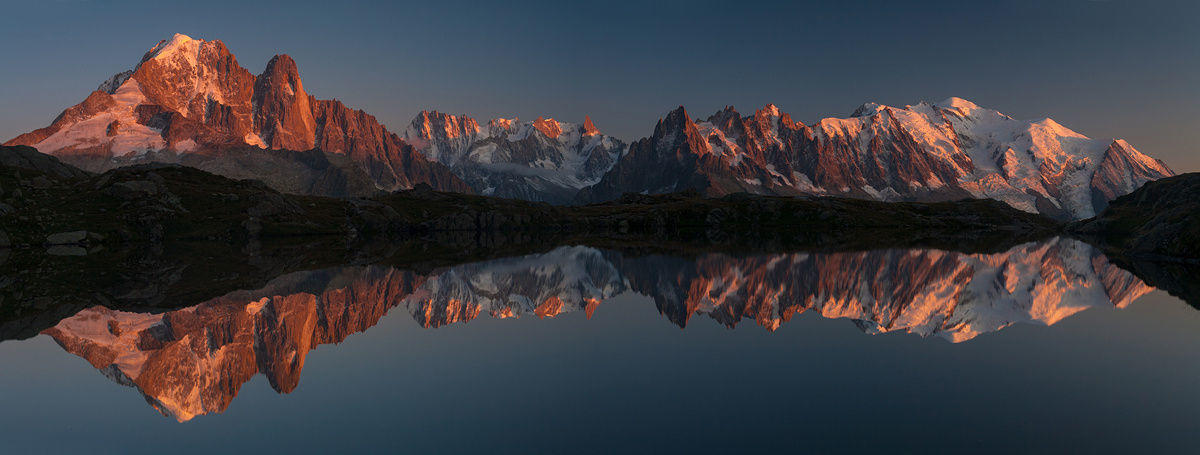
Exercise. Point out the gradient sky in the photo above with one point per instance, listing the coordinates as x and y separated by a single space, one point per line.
1127 69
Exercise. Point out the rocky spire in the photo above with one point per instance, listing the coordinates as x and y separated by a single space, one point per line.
589 129
548 126
283 118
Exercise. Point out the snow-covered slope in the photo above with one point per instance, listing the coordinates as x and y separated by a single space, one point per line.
542 160
191 97
543 285
929 151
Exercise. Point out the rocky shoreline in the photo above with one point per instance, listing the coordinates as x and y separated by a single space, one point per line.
54 205
155 237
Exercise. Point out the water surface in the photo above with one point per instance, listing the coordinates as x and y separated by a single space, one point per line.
1045 347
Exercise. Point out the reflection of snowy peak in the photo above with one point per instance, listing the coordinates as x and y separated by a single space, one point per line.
542 160
545 285
948 150
193 361
929 292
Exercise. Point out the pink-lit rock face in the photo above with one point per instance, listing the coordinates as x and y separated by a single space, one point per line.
193 361
190 96
951 295
929 151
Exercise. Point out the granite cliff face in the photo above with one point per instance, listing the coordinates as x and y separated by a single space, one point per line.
190 97
927 152
543 160
193 361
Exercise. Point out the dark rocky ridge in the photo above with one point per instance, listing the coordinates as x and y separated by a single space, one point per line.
157 237
164 202
1161 220
1153 232
25 157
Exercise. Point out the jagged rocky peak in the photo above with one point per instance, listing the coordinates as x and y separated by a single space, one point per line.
283 118
948 150
187 96
769 119
674 126
868 108
185 75
110 86
502 123
543 160
548 127
589 128
441 137
677 117
768 111
436 125
725 119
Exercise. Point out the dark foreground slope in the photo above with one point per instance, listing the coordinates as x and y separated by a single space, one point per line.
1159 221
1155 233
50 204
158 237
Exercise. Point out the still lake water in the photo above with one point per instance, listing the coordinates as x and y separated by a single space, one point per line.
1044 348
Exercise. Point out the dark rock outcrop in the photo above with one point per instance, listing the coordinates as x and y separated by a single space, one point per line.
25 157
1161 220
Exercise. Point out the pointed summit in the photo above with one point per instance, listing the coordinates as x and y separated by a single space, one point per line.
676 119
190 96
589 129
726 119
958 103
179 44
548 126
867 109
502 123
770 110
284 119
282 64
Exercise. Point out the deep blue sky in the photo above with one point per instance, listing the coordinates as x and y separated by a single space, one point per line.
1127 69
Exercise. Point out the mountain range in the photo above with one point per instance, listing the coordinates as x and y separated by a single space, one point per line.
188 101
193 361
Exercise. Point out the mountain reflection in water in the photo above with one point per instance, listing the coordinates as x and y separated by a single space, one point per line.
192 361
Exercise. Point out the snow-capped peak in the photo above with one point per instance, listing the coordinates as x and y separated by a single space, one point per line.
179 44
958 103
868 109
